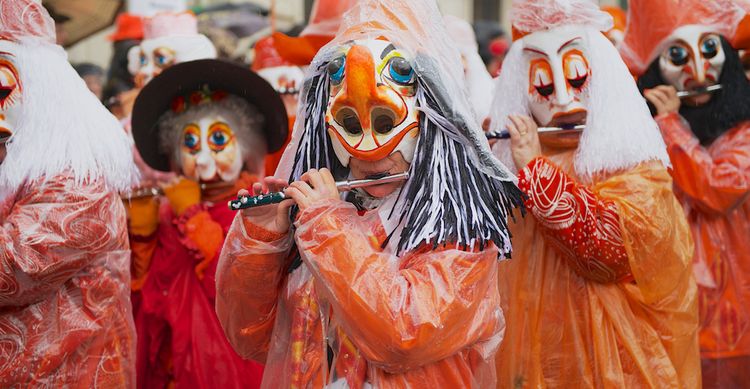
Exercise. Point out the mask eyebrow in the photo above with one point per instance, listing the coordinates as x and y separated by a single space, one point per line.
6 54
570 42
387 50
536 51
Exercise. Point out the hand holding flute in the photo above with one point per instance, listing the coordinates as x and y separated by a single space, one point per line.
314 186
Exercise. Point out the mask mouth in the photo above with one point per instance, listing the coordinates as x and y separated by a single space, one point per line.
568 120
5 135
377 176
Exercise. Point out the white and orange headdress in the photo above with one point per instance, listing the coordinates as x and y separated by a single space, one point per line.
58 126
562 59
391 81
169 38
652 22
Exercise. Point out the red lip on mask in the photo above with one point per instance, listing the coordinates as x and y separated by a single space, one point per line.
569 118
5 134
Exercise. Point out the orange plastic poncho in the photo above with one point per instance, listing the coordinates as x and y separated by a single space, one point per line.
429 319
599 292
713 184
65 318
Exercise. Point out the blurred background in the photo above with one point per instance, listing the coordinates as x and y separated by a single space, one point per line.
87 24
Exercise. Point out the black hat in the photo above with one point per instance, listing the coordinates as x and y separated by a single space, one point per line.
157 97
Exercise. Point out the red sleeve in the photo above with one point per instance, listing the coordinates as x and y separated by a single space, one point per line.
584 227
718 180
53 231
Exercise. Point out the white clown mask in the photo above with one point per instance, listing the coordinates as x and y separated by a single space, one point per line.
153 56
693 58
371 111
10 90
209 150
559 76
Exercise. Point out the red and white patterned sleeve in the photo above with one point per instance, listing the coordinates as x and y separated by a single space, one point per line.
583 227
55 229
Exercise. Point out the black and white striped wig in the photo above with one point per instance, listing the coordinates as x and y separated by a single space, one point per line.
457 194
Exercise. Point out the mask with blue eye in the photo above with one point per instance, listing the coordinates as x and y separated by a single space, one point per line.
336 70
219 138
678 55
161 60
144 59
400 71
192 141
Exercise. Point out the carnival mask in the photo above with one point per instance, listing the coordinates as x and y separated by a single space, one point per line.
371 110
10 91
153 56
559 76
287 80
209 150
693 59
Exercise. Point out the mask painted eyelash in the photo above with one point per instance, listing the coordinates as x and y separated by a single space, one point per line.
7 96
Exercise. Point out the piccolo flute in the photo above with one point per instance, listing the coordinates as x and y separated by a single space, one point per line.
504 134
154 191
700 91
245 202
681 94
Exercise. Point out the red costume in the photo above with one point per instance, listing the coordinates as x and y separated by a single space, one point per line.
65 316
216 135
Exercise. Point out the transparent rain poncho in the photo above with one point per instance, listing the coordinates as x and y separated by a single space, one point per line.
380 300
599 292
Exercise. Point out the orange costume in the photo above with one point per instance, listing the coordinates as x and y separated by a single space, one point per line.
426 319
707 141
65 318
395 291
599 293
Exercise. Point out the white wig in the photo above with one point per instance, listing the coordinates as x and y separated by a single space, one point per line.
620 132
63 128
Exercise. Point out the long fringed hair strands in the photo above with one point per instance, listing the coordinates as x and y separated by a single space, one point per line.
447 200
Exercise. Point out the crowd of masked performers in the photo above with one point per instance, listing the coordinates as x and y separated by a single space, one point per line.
579 221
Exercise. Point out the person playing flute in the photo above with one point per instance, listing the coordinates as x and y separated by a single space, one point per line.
393 285
684 49
600 292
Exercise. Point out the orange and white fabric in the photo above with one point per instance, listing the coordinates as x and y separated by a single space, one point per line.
650 24
65 314
427 319
65 318
599 292
359 299
713 185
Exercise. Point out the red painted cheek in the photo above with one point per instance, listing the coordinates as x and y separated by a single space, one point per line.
687 69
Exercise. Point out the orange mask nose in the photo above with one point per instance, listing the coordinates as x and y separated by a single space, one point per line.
361 101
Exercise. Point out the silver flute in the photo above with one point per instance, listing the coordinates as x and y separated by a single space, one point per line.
245 202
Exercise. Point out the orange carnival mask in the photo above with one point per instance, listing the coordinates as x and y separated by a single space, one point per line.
371 110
